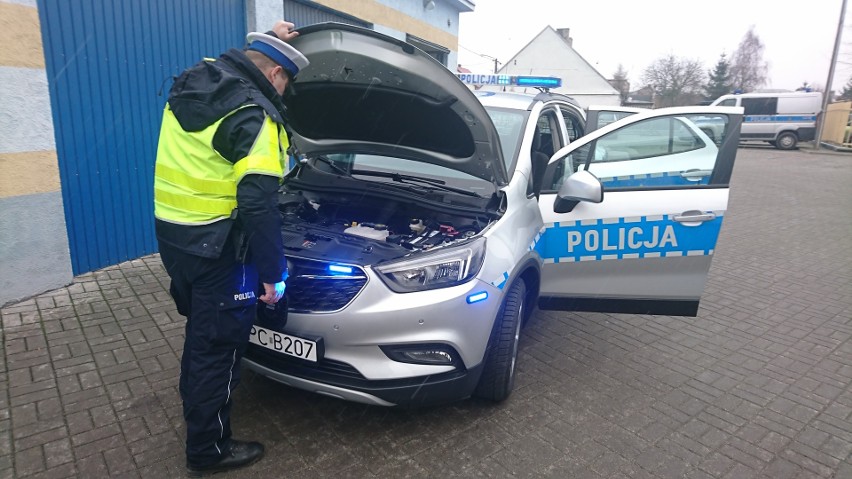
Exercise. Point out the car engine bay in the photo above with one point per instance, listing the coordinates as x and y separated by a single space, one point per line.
367 229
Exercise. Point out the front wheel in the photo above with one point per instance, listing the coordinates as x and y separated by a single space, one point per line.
786 141
498 375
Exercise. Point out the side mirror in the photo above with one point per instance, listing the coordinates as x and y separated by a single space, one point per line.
581 186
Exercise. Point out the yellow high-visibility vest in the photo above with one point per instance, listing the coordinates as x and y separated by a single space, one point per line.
194 184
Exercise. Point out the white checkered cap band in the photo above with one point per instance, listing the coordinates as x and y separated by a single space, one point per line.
288 51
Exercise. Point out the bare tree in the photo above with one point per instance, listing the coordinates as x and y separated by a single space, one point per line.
748 69
675 81
619 82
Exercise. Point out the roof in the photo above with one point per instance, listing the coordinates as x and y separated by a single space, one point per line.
463 5
601 85
518 101
515 101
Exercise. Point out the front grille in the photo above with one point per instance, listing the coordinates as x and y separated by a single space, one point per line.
312 289
324 368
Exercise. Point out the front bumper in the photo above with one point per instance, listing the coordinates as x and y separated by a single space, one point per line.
354 366
321 379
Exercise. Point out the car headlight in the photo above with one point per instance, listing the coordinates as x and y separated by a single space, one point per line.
441 269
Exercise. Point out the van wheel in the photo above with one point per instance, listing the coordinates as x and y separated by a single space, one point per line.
786 141
498 375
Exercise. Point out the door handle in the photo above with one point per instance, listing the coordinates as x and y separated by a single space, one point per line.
695 174
694 216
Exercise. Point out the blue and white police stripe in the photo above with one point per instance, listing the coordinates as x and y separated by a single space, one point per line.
627 238
500 283
537 238
672 178
779 118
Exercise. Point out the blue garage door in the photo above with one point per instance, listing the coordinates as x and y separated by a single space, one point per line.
109 67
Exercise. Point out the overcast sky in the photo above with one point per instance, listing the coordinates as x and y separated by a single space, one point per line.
798 35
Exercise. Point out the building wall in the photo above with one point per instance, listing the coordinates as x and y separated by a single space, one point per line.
34 242
394 18
34 253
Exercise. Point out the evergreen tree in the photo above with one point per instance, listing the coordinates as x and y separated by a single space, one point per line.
620 83
846 94
720 79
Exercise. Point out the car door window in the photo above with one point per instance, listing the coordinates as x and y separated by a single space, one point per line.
606 117
547 139
669 151
573 124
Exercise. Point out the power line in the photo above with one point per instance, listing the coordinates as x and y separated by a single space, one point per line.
496 62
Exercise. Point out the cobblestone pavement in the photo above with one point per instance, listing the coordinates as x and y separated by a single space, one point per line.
759 385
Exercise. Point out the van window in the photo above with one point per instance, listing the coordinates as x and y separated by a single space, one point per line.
760 106
728 102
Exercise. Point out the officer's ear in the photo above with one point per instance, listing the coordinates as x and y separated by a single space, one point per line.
273 73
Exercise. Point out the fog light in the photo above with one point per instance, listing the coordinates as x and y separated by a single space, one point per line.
435 354
429 357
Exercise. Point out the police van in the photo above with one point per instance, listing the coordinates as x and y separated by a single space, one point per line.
425 222
781 119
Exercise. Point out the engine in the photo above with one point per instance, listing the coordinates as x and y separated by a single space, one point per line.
367 230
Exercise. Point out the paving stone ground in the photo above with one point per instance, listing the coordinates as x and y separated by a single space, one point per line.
758 385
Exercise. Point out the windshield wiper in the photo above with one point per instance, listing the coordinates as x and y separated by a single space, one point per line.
332 164
400 178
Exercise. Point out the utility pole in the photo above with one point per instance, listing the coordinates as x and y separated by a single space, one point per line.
825 97
490 58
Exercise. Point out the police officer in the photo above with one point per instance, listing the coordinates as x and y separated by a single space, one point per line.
220 158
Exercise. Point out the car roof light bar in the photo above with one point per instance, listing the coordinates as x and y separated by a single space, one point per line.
508 80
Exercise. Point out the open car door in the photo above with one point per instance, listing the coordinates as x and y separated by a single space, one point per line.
598 116
632 212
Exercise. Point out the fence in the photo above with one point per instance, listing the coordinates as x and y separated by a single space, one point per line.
837 127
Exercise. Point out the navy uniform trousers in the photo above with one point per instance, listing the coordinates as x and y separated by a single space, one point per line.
218 298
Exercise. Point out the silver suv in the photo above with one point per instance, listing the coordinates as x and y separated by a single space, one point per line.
423 223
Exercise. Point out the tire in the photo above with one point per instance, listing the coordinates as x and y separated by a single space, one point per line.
786 141
773 142
498 374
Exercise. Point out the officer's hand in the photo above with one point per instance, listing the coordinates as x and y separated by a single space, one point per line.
273 292
284 30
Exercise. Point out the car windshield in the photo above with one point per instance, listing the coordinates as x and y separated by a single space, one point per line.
510 126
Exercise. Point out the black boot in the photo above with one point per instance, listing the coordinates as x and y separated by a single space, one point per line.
240 454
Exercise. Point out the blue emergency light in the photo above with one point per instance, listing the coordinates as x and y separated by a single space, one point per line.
538 82
506 80
477 297
339 268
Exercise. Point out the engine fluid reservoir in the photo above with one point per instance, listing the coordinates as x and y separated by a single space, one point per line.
367 232
417 226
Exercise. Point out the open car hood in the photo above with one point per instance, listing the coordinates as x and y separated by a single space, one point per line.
366 92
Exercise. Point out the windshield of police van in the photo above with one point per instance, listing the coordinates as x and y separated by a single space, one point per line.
510 126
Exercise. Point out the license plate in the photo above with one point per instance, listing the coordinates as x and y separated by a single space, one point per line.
284 343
